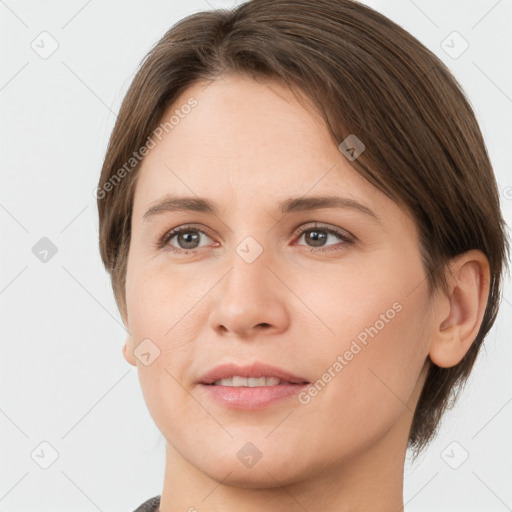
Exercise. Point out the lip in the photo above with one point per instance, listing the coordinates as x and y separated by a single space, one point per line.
256 370
250 398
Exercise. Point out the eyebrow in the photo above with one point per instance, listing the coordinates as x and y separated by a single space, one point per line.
173 203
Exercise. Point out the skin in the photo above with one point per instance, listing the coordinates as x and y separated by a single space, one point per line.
291 307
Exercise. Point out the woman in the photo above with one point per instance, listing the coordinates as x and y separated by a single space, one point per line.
304 235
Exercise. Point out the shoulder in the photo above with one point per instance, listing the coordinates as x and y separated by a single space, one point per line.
150 505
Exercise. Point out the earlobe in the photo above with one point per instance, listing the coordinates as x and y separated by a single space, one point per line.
469 284
128 352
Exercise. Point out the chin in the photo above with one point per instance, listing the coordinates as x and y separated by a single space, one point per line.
244 467
259 477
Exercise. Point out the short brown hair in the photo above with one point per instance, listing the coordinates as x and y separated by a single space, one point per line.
366 76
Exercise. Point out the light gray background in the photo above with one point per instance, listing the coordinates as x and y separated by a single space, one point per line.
63 379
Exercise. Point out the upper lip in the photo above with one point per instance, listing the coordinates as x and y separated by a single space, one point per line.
255 370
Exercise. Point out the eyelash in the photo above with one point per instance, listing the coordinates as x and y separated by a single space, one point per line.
345 237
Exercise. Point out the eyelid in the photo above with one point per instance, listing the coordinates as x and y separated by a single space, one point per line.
324 227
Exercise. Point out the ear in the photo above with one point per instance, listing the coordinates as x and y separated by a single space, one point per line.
128 351
459 314
128 343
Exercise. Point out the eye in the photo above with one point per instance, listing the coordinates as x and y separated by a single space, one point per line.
318 236
186 239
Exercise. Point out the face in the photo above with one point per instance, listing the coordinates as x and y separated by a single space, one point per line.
333 296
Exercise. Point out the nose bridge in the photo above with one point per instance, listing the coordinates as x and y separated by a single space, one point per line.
249 274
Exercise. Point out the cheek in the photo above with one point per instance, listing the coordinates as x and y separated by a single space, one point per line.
157 312
162 382
380 323
156 301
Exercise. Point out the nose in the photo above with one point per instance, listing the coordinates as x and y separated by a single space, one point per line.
249 301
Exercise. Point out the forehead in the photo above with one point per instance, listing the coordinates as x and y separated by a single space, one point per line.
245 141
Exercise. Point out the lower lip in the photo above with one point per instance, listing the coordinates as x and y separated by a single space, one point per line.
251 398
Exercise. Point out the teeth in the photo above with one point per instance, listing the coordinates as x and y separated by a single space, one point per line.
248 382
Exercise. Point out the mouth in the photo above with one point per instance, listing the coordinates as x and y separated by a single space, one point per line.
250 387
252 382
252 375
